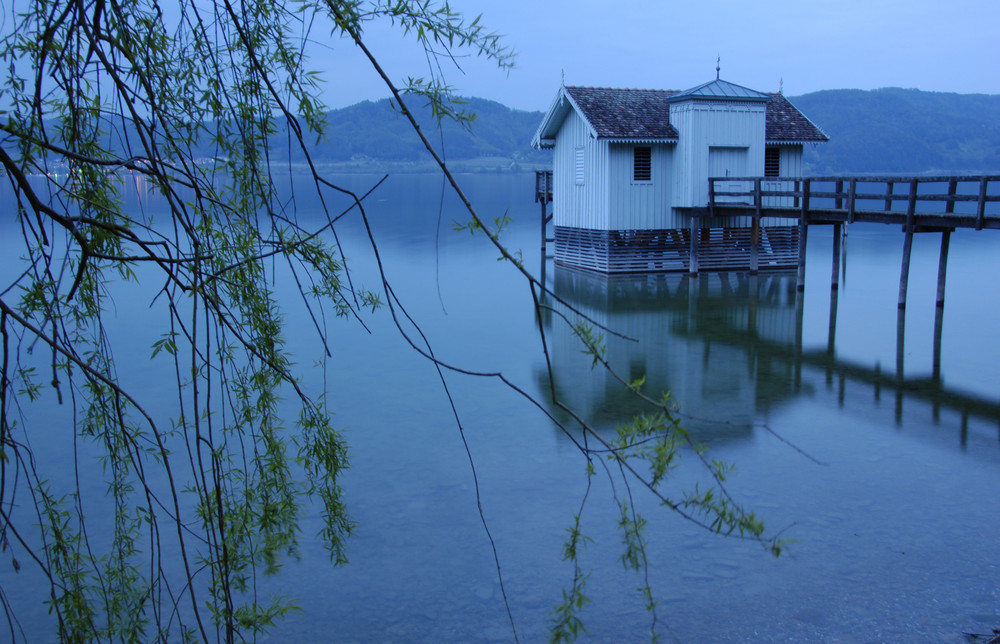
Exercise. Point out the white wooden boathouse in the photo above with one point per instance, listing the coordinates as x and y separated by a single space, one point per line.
630 174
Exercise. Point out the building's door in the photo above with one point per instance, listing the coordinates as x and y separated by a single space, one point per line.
726 161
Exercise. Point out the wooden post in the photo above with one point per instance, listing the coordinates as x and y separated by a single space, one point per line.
545 231
800 281
904 272
853 190
888 195
981 210
755 234
693 254
711 197
835 279
839 203
943 266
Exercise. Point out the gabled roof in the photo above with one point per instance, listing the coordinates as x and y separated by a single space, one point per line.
626 114
617 114
643 115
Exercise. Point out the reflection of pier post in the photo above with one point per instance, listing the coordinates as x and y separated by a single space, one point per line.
799 312
835 278
832 337
938 323
900 345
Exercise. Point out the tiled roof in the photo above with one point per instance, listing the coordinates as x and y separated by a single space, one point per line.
786 123
626 113
645 114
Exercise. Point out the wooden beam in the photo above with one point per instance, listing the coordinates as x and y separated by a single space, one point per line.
693 254
943 267
545 237
981 210
904 271
755 234
851 199
800 280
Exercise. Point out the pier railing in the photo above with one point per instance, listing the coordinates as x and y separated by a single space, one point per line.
934 202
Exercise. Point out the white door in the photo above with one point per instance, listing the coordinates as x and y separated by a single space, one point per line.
729 162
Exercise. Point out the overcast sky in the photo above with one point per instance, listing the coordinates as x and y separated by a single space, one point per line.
802 45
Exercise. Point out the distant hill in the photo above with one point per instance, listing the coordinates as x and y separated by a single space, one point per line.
374 134
884 131
896 130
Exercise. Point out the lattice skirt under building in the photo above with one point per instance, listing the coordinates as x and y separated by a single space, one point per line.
640 251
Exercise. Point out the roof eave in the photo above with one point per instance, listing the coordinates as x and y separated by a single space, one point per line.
639 139
554 117
794 141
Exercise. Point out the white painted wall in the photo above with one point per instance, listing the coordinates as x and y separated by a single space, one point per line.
702 125
609 199
640 205
790 165
580 205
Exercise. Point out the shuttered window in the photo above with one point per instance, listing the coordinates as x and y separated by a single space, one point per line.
579 166
641 164
772 162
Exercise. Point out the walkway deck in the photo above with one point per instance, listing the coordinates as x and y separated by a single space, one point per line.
926 203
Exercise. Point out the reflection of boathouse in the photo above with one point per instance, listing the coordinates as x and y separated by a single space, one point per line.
629 166
694 337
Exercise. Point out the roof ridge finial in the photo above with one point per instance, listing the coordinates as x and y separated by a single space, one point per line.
718 67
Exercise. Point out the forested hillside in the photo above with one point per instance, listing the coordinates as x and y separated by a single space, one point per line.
884 131
375 134
903 131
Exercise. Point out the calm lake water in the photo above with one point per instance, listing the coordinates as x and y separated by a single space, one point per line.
878 456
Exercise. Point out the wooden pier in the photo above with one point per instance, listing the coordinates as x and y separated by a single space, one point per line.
737 205
917 204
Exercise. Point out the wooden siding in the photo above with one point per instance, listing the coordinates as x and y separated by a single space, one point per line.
791 165
639 205
703 125
580 204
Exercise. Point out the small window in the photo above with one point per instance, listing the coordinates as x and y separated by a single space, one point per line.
772 162
579 166
641 167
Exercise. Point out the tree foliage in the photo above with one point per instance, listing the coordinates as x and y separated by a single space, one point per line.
208 500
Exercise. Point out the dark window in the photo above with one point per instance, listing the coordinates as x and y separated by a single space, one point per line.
772 162
641 164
